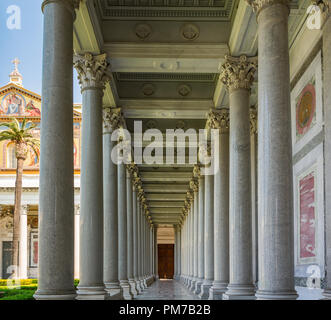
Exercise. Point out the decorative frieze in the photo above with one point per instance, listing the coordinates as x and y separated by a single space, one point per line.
219 119
112 119
238 72
92 70
258 5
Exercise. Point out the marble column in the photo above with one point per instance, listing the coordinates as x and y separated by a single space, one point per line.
131 169
135 212
92 77
76 251
208 237
237 74
138 280
219 119
23 246
156 261
194 187
123 233
254 154
175 253
327 112
201 231
111 121
56 240
275 175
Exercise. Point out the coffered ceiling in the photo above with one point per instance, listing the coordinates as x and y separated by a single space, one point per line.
165 57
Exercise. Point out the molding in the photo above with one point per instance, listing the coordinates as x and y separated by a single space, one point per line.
220 10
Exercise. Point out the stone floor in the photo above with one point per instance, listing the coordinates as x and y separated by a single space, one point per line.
173 290
167 290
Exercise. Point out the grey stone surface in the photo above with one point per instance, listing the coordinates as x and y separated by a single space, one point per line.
56 211
110 219
240 220
327 112
275 177
208 237
221 221
167 290
123 234
91 284
201 232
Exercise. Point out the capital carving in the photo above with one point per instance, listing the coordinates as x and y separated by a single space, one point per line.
91 70
71 5
194 185
238 72
253 120
112 119
258 5
219 119
196 171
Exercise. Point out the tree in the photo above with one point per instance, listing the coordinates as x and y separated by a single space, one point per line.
21 136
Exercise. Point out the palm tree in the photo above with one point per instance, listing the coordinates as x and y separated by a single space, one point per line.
21 136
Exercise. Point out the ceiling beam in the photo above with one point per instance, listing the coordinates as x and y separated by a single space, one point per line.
165 204
165 188
165 197
165 176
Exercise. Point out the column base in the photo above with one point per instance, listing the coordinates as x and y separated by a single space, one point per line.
206 285
327 294
197 289
91 293
114 291
192 286
240 292
217 290
138 286
55 295
188 283
133 287
127 294
280 295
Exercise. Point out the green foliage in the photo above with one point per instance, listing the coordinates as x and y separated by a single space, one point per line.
20 133
22 289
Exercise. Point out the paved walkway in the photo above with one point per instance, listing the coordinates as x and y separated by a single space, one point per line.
167 290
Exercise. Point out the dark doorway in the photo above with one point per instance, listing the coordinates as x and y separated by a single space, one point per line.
166 261
7 253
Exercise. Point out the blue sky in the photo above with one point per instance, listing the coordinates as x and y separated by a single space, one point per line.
25 44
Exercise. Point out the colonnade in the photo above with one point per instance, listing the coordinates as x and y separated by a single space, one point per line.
117 239
226 215
214 252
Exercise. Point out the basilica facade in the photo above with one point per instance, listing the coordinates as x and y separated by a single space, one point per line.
253 77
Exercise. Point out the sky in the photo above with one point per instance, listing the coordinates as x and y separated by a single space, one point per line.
25 44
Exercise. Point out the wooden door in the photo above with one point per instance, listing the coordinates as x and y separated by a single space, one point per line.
166 261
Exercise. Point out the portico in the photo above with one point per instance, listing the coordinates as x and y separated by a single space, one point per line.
224 66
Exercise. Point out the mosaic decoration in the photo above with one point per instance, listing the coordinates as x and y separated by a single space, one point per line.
306 109
307 216
14 104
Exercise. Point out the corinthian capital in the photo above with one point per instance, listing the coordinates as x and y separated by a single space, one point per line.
238 72
194 185
112 119
91 70
258 5
219 119
71 5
